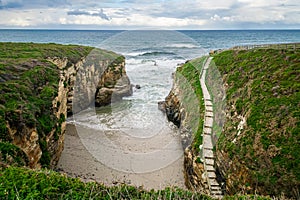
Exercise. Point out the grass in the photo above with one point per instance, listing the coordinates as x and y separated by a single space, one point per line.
263 85
12 155
214 83
22 183
188 78
29 84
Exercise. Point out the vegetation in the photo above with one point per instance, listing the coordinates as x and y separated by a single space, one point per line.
263 86
28 85
195 107
22 183
12 155
214 83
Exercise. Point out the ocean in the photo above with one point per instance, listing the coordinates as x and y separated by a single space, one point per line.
207 39
119 130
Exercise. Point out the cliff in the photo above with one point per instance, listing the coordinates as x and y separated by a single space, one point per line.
255 128
184 106
114 84
39 84
258 150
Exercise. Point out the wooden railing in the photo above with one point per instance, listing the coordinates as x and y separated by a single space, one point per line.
289 46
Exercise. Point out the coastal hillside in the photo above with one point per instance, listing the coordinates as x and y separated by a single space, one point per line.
258 150
184 106
256 124
39 84
20 183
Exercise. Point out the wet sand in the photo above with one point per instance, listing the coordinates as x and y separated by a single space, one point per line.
112 158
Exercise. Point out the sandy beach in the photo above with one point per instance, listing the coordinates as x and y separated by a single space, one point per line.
113 158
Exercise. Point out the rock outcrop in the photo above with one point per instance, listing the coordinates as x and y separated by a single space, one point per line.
83 79
37 94
95 80
113 85
194 172
172 108
182 107
255 127
178 112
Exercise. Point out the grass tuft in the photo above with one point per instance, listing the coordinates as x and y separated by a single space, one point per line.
263 85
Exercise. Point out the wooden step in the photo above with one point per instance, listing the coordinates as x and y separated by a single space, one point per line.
211 175
207 130
209 114
210 168
210 161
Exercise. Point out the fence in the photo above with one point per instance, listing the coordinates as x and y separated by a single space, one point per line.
290 46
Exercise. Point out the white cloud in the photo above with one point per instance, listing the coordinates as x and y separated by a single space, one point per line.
132 20
26 18
261 12
141 20
225 18
195 14
214 5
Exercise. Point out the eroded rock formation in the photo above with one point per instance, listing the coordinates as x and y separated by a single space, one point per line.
83 80
194 172
113 85
182 108
37 95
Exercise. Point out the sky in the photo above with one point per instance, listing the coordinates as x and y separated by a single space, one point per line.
150 14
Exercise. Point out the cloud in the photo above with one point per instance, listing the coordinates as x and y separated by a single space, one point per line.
260 12
29 18
131 14
30 4
100 13
5 4
225 18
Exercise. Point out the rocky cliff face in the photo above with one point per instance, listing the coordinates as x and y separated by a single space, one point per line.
37 93
183 116
183 108
78 87
258 150
114 84
256 127
94 80
194 172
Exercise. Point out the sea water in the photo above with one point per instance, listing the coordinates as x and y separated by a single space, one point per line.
133 136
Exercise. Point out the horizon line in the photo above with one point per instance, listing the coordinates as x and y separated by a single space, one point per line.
145 29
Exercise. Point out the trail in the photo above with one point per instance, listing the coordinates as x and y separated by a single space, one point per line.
207 148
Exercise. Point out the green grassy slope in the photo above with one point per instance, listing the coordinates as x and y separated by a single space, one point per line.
28 84
191 71
263 86
21 183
